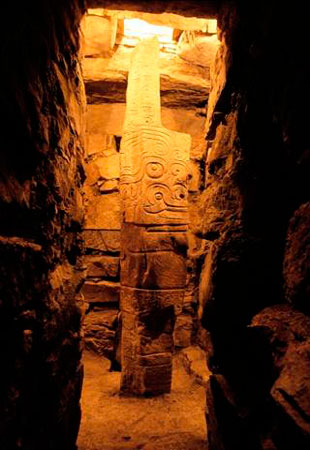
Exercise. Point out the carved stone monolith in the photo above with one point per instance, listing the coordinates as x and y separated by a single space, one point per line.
154 189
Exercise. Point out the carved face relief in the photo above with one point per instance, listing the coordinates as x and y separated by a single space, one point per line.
154 176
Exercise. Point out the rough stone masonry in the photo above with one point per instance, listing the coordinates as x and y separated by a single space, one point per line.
154 189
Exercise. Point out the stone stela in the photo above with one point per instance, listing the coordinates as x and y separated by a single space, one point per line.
154 190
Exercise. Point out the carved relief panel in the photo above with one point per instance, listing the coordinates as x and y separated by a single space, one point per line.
155 175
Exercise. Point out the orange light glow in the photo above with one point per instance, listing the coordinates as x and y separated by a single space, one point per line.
138 28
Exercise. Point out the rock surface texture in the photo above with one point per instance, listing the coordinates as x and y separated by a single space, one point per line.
41 173
101 233
251 224
254 214
154 190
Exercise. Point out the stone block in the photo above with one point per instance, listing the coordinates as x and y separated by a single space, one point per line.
102 266
194 362
103 211
139 239
101 292
150 346
109 166
102 241
200 51
100 332
154 270
95 143
157 359
183 331
99 34
101 317
102 168
157 379
144 300
147 380
98 142
108 186
92 176
146 374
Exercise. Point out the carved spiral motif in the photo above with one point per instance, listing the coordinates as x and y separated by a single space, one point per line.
160 197
156 196
179 170
155 169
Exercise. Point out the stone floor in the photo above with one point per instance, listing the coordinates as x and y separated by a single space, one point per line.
170 422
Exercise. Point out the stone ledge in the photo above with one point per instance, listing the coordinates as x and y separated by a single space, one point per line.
101 292
102 266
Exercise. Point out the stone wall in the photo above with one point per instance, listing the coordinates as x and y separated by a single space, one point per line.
254 218
41 172
254 215
102 243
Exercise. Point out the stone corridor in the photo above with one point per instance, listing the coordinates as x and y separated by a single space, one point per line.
234 76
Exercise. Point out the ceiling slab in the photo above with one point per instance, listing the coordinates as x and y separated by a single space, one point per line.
206 9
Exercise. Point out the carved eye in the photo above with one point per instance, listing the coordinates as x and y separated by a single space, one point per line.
158 195
178 170
155 169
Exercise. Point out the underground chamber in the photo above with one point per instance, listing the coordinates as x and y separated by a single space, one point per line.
155 226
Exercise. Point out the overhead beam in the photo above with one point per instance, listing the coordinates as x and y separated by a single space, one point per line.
187 8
